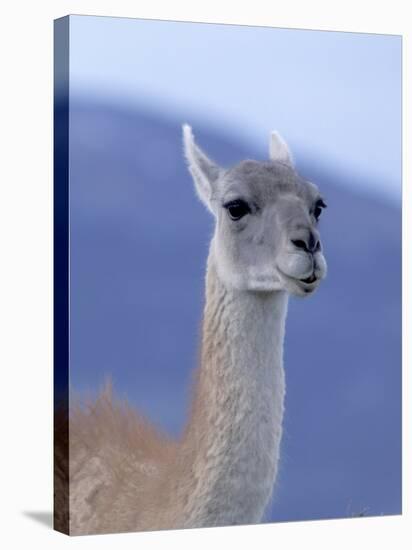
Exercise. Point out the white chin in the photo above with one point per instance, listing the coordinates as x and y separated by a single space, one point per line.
302 289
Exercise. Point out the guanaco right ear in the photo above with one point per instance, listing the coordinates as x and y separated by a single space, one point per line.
204 171
278 149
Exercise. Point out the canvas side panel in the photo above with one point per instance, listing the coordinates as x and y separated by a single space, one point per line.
61 275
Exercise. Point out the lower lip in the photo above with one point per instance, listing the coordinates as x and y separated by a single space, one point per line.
307 287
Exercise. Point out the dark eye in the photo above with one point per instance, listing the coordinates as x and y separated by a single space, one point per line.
237 209
319 206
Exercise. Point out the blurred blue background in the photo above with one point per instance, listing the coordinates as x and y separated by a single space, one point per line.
139 236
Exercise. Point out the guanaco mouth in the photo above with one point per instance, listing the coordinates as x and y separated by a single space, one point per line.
310 279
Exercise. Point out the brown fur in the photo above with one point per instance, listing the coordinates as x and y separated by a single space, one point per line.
116 456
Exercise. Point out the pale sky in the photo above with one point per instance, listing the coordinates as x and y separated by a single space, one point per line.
334 96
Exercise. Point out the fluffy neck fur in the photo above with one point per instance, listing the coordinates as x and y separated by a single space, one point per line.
230 447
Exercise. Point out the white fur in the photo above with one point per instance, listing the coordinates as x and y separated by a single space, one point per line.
204 171
239 447
278 149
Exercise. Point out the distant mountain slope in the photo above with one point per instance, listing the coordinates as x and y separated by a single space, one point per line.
139 242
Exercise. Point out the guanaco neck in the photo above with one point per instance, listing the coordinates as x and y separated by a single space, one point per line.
230 447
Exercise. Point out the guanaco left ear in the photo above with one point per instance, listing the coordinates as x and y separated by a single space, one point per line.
278 150
204 171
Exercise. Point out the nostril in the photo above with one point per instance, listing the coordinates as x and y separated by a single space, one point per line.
317 247
299 244
312 242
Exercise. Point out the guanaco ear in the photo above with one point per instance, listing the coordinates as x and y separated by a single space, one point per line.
204 171
278 150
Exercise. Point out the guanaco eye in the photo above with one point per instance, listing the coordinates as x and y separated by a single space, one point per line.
319 206
237 209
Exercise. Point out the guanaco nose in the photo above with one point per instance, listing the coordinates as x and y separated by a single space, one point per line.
309 242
